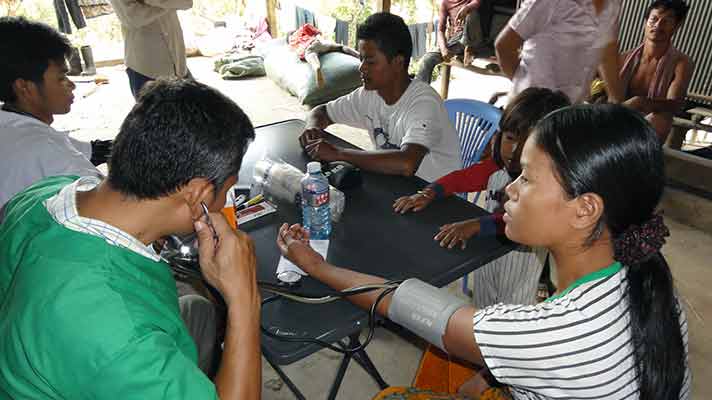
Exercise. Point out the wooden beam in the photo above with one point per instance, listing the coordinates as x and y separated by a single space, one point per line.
383 5
272 18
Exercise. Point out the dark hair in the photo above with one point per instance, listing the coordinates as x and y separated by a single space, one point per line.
27 47
178 130
677 6
523 112
612 151
390 33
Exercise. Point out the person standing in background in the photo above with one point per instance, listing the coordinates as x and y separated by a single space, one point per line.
153 39
559 45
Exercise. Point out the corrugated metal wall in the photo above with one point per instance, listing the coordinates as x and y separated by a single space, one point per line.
694 38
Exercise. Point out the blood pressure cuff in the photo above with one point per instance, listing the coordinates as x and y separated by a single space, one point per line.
424 309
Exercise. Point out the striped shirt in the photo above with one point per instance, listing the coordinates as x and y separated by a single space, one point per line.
576 346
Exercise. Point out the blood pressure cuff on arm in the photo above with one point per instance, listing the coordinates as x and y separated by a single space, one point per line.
424 309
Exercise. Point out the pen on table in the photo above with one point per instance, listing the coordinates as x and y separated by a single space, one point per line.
239 200
251 202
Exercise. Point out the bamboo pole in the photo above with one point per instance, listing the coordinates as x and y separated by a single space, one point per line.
272 18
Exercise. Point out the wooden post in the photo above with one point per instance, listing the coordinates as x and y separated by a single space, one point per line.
272 18
445 80
383 5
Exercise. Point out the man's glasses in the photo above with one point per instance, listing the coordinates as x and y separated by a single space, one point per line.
209 221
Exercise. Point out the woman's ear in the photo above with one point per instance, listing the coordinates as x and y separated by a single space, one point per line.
589 209
399 59
197 190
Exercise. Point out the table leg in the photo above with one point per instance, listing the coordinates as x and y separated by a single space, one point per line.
365 362
284 378
676 138
362 358
339 377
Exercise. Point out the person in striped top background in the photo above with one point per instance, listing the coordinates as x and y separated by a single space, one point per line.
592 176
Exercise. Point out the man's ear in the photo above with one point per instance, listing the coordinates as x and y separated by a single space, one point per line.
195 191
24 88
589 209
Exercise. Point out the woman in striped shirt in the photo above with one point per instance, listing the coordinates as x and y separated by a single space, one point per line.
592 176
514 277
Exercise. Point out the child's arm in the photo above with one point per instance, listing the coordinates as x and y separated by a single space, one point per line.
450 235
472 178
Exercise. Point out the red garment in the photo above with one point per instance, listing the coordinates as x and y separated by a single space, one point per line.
302 38
471 179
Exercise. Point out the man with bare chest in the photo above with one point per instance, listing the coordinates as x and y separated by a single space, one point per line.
655 75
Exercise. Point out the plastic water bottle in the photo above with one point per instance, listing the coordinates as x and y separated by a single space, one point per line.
316 215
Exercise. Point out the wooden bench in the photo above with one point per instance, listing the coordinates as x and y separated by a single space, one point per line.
482 66
680 126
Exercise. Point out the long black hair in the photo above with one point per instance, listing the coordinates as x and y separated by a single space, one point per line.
613 152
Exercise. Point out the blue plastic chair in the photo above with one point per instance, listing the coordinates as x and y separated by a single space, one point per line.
475 122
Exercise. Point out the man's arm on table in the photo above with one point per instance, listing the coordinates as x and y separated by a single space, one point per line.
317 120
404 161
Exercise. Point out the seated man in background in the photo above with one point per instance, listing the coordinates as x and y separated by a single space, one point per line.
462 27
655 75
405 118
34 87
89 309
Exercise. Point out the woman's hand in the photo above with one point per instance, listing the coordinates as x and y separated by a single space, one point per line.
229 265
293 243
415 202
459 232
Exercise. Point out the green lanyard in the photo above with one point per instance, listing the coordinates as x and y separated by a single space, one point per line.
601 273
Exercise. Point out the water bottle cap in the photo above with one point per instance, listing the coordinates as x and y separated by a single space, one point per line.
313 167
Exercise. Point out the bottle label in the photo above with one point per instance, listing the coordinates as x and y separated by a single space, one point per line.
319 198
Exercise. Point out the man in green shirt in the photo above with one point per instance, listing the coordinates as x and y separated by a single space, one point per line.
88 309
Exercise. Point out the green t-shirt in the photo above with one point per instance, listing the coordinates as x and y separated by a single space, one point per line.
81 318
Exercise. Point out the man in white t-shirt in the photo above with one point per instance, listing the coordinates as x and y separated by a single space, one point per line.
559 45
405 119
33 88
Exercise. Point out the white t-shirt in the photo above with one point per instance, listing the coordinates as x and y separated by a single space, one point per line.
418 117
577 346
563 44
31 150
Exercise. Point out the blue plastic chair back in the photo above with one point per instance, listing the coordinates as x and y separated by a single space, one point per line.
475 122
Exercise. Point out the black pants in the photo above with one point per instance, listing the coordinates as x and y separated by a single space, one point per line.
63 17
138 80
